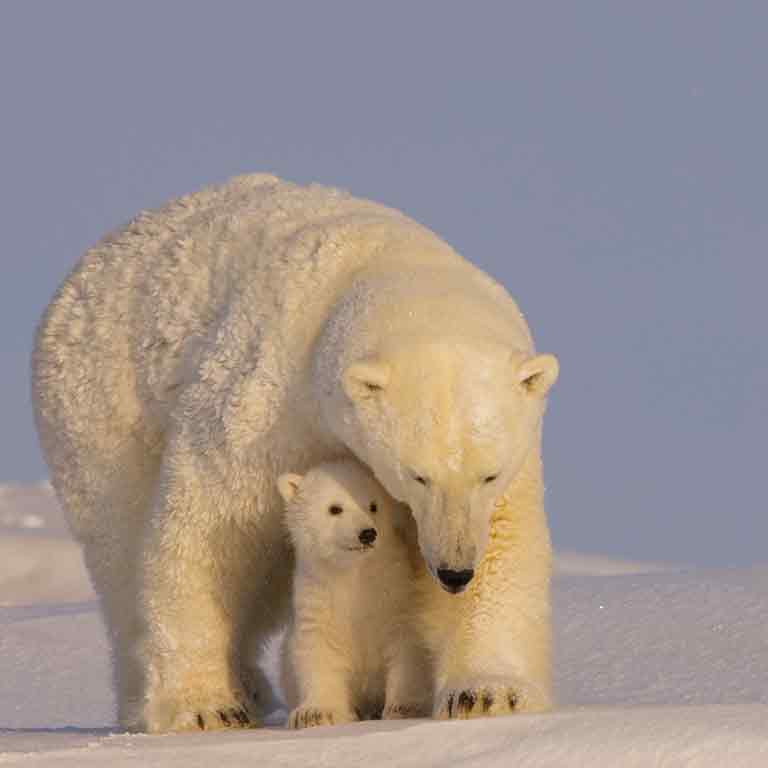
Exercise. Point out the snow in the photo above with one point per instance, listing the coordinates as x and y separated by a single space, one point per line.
655 666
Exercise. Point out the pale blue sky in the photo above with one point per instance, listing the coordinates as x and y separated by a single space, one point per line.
607 161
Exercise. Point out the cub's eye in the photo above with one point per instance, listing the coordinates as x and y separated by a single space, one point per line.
490 478
373 507
335 509
421 479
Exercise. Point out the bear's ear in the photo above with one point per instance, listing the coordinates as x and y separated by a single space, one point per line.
364 380
288 485
537 374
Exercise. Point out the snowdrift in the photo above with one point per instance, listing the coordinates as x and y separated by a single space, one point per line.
654 666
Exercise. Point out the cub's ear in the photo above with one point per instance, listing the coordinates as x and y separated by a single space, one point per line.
362 381
288 485
537 374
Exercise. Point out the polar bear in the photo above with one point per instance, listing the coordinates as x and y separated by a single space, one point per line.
351 650
259 327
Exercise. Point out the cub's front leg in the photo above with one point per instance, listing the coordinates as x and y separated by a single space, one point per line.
320 679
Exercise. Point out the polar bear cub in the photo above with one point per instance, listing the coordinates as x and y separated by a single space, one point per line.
351 650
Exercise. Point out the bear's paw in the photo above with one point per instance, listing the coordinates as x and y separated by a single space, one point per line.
462 702
228 717
174 716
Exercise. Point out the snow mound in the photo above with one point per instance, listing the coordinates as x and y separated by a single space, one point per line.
30 508
41 569
655 666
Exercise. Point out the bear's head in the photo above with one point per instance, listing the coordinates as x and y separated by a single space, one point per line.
446 426
335 513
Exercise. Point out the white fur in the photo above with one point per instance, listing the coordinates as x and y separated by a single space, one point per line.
351 649
257 327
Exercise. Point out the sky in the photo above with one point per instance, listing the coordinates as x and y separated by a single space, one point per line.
607 162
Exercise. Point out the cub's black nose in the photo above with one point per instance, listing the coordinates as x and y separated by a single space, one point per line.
367 536
454 581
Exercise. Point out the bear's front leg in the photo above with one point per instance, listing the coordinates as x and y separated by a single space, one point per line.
198 582
494 667
189 649
494 656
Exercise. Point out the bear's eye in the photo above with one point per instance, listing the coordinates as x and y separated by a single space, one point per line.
421 479
373 507
335 509
490 478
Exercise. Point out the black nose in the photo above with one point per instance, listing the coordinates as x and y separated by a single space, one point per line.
367 536
455 581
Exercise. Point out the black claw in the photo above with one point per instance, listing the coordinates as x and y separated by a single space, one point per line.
223 717
307 718
200 722
450 705
467 701
242 717
512 699
487 701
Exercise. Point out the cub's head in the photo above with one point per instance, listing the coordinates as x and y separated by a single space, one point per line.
335 513
446 427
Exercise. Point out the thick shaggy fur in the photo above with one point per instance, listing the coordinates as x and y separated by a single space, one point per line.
352 649
258 327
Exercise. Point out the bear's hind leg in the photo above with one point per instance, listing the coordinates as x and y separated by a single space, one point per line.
107 498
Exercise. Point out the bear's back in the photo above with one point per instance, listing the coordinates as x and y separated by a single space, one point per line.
171 273
222 230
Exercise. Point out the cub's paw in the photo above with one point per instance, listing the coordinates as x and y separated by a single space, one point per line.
402 711
308 716
462 702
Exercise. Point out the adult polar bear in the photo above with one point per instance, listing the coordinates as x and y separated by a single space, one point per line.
259 327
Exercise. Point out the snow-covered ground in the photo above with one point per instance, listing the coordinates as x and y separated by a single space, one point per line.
655 666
